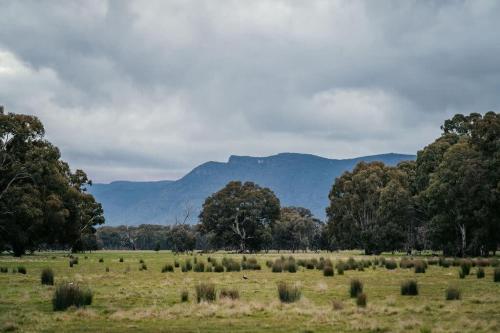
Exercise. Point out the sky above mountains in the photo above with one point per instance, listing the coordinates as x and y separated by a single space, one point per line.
144 90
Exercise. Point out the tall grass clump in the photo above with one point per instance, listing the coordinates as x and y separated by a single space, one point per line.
420 266
409 288
391 264
101 260
70 294
340 267
21 269
355 288
452 293
199 267
47 277
230 293
176 263
328 270
218 268
480 273
465 266
361 300
496 275
184 296
277 266
250 264
231 265
167 268
143 267
205 292
288 293
121 259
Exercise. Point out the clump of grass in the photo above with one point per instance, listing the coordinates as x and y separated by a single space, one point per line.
229 293
443 262
461 274
70 294
420 266
143 267
167 268
199 266
340 267
465 266
406 263
21 269
231 265
361 300
356 288
218 268
184 296
205 292
328 271
288 293
73 261
4 270
391 264
409 288
141 261
480 273
432 261
121 259
250 264
496 275
269 263
290 266
107 269
47 276
452 293
176 263
101 260
277 266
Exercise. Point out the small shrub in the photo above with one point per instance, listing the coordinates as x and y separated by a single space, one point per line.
205 292
229 293
184 268
409 288
69 294
4 270
121 259
355 288
167 268
218 268
184 296
391 264
85 257
496 275
361 300
288 293
452 293
143 267
328 271
480 273
291 266
465 266
47 277
141 261
199 266
21 269
101 260
277 266
419 266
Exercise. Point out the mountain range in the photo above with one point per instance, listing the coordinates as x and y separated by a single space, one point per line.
297 179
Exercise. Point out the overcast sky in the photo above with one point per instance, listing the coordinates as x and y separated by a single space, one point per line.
147 90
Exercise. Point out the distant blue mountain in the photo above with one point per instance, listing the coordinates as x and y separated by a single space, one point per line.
297 179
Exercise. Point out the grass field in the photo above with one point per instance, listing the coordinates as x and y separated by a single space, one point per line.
127 299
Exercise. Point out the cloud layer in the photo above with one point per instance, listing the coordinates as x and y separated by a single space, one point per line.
147 90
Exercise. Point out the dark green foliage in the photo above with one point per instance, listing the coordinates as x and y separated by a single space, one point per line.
231 265
167 268
205 292
288 293
391 264
47 276
277 266
356 287
409 288
496 275
121 259
452 293
101 260
199 266
480 273
328 271
21 269
70 294
361 300
176 263
143 267
141 261
184 296
4 270
229 293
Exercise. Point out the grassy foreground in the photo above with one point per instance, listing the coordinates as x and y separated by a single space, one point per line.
127 299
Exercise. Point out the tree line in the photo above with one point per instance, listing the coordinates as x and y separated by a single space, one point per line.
448 199
43 204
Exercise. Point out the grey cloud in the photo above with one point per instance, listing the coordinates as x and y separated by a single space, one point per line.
170 84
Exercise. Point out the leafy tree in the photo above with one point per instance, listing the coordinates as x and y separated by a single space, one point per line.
296 229
42 203
238 214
